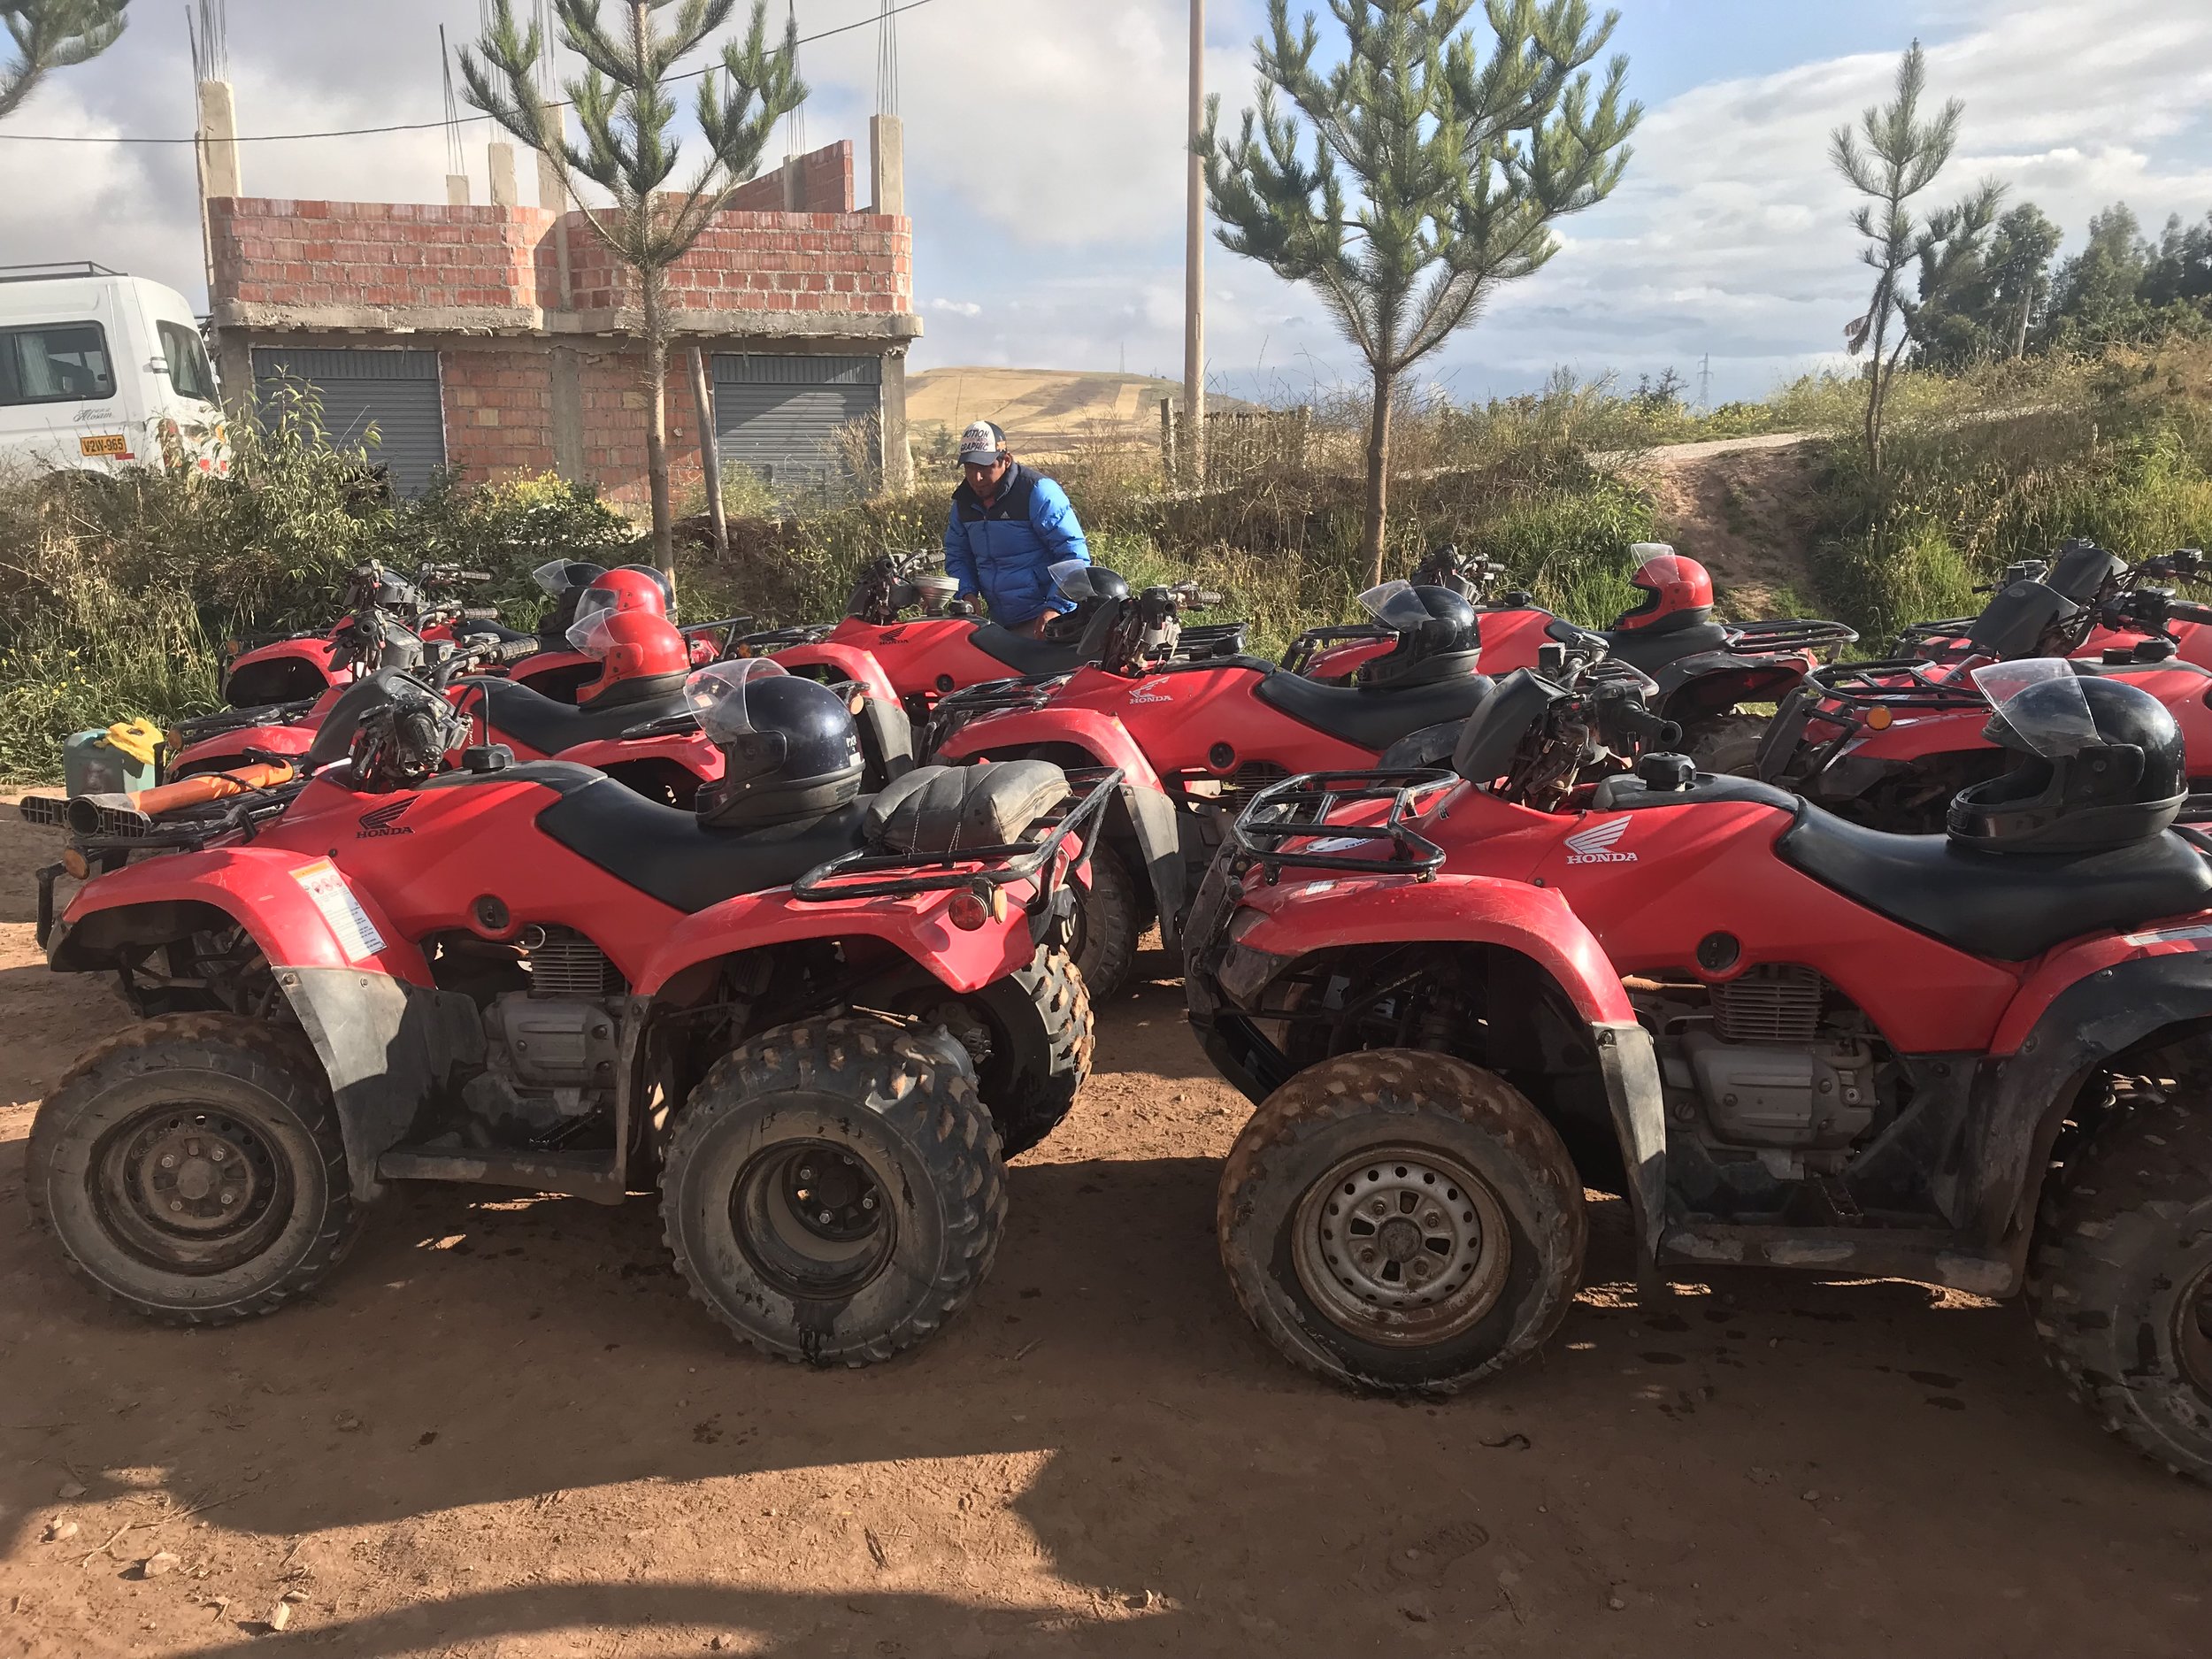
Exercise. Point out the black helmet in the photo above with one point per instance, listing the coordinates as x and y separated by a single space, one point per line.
2104 763
789 748
566 580
1438 637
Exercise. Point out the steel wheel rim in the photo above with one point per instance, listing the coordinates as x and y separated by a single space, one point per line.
2195 1322
814 1219
1425 1266
190 1187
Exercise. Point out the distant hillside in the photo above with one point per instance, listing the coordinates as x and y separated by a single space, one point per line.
1044 412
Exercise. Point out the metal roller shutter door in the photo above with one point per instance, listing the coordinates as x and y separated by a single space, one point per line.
781 415
395 391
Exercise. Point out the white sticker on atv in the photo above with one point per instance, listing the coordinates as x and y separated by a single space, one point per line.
1338 844
2169 936
356 933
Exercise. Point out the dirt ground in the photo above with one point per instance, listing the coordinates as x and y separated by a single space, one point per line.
502 1430
1744 508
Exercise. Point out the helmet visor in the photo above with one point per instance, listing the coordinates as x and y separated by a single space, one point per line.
1071 577
1395 605
1657 564
716 695
591 632
2041 700
557 576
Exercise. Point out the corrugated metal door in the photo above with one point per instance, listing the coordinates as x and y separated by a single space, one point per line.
780 415
395 391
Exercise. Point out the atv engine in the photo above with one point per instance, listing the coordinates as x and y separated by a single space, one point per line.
1774 1061
551 1051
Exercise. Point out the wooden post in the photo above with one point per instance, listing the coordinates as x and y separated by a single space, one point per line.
1167 439
709 454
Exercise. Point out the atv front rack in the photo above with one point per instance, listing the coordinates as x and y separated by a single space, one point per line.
866 875
1314 642
1847 696
956 709
773 639
1303 809
200 726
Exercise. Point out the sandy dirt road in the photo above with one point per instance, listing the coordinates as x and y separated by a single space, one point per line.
502 1430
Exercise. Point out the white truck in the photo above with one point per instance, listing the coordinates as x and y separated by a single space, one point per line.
101 372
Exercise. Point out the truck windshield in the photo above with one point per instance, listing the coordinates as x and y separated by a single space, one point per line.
55 362
187 358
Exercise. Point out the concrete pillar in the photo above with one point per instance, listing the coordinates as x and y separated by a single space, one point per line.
456 189
568 414
887 163
549 192
794 185
500 158
898 458
218 139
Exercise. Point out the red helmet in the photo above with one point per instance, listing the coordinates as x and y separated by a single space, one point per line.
1677 592
639 656
628 589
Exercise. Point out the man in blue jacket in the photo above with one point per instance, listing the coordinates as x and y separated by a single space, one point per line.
1010 526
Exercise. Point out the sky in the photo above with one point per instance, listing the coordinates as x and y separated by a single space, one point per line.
1044 171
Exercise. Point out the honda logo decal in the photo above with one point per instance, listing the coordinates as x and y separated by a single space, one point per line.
1594 845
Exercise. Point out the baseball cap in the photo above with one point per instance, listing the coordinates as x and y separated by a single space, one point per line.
980 444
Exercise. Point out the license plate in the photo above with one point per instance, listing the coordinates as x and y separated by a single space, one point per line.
105 443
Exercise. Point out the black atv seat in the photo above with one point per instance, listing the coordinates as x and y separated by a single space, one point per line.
517 712
1372 719
1650 652
2009 906
1024 654
669 855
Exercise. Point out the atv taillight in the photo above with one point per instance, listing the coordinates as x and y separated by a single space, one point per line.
976 908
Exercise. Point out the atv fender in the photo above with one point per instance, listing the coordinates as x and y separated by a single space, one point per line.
827 660
918 927
1106 742
229 749
1533 922
2076 1013
688 749
389 1040
1697 688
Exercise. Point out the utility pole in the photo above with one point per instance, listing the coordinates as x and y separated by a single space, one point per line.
1195 261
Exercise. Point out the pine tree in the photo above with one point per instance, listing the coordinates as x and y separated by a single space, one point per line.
1902 158
1982 311
1456 164
51 34
625 111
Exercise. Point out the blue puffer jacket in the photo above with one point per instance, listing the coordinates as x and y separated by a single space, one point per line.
1003 551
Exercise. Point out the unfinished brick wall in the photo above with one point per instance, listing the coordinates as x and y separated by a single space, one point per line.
387 257
826 185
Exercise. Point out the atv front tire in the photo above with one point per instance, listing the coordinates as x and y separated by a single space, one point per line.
1401 1220
2122 1283
1727 745
193 1171
833 1191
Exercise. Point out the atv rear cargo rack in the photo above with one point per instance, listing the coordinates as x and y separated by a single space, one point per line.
1314 642
1790 633
1303 809
200 726
956 709
866 875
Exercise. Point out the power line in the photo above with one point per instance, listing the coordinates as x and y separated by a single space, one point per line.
415 126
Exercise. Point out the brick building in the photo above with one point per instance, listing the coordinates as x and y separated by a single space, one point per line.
497 339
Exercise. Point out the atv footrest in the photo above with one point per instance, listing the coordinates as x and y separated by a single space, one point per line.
592 1175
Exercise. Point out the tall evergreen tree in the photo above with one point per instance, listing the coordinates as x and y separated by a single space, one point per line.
2097 298
1901 157
1982 309
1456 164
625 111
50 34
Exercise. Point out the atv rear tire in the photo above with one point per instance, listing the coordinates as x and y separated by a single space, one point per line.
193 1171
2121 1283
1109 922
834 1192
1030 1037
1469 1264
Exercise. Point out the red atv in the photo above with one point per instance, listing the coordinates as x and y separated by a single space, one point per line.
1459 998
1194 739
817 1020
1705 670
911 662
1888 743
